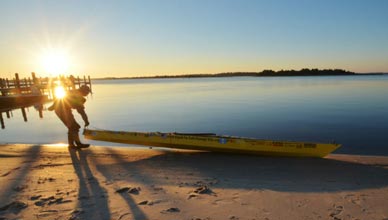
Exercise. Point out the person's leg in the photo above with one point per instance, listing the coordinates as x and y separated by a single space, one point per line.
74 131
78 141
70 139
66 117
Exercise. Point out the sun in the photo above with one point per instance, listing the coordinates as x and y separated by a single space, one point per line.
59 92
55 61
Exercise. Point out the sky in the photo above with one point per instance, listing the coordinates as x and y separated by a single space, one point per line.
168 37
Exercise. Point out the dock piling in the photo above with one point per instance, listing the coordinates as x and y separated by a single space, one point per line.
2 121
17 83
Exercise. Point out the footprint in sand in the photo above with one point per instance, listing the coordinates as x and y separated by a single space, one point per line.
224 201
302 203
170 210
336 210
356 199
49 200
20 188
14 207
9 172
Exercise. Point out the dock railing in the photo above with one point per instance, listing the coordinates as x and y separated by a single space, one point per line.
41 85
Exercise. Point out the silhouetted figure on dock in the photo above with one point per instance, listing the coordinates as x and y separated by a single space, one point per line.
63 109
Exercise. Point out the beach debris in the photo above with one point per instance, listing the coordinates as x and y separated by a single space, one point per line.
232 217
171 210
15 206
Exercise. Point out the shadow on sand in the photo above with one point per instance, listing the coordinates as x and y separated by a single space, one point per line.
23 170
90 194
250 172
90 191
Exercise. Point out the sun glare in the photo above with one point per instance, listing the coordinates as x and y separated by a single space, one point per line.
55 61
59 92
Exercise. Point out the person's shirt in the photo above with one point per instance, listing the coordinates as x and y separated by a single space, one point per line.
72 100
75 100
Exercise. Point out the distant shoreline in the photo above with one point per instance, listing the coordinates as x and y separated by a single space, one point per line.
265 73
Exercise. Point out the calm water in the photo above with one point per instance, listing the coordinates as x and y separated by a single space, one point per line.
351 110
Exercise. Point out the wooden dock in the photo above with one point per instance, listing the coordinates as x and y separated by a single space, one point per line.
21 93
43 86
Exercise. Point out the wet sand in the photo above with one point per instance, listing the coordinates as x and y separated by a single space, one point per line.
53 182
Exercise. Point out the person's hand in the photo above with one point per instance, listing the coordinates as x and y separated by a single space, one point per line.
51 108
87 124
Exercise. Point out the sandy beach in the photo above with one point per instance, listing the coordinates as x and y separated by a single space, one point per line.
53 182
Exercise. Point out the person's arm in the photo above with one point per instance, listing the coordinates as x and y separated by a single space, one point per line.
82 112
53 106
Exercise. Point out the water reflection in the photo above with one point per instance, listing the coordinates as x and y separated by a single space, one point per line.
8 112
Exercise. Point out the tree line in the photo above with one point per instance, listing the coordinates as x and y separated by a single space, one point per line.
302 72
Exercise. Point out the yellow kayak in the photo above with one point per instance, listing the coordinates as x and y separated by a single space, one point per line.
212 142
